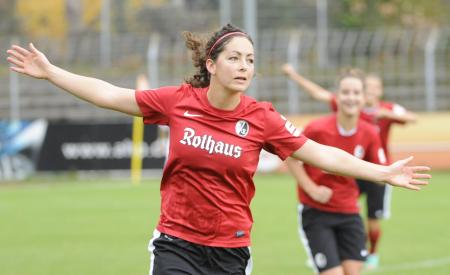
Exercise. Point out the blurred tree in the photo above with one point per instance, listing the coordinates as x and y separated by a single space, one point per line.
385 13
8 21
74 12
66 18
120 10
57 18
196 18
294 13
42 18
76 26
91 13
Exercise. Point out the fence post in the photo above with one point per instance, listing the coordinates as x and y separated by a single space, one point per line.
322 32
293 57
153 60
429 70
225 12
14 91
105 34
250 24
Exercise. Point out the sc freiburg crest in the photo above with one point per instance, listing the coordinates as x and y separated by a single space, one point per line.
242 128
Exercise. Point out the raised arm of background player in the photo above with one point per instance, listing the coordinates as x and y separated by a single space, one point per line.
319 193
317 92
314 90
398 113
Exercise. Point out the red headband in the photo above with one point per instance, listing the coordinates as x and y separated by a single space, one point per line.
220 39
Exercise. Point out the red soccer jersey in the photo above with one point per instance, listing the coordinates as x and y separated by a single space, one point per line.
363 143
207 185
382 125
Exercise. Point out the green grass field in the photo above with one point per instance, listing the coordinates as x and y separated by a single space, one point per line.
60 226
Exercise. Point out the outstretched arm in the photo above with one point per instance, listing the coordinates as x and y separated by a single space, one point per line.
398 114
314 90
34 63
319 193
339 162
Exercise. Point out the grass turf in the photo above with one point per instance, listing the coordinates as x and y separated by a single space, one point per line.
63 226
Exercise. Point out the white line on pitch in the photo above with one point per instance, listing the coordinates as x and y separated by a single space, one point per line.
413 265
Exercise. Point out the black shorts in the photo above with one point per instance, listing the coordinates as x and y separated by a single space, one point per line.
330 238
170 255
378 199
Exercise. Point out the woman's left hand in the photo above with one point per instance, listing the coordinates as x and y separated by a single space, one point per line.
410 177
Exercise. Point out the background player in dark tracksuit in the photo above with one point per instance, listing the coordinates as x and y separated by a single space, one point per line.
382 115
216 135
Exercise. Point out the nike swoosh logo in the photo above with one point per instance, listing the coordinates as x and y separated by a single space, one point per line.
187 114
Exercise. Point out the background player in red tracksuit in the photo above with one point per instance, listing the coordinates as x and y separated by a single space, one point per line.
382 115
329 213
216 135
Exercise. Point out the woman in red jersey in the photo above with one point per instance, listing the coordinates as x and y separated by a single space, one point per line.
216 135
382 115
330 226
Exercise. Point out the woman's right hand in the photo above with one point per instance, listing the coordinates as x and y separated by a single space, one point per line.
29 62
288 69
321 194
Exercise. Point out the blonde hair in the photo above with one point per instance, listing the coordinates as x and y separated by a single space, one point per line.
353 73
374 76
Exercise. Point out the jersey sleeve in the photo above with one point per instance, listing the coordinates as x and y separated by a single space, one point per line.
156 104
282 138
309 132
375 152
394 108
398 110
